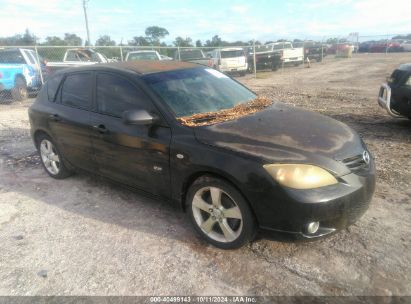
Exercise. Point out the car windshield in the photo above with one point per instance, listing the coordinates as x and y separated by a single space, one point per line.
232 54
142 56
198 90
191 54
13 56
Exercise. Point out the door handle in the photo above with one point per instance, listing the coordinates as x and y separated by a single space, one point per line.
101 129
55 117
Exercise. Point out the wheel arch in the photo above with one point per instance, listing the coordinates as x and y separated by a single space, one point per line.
19 75
213 173
37 133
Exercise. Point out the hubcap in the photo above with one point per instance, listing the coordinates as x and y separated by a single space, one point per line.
49 157
217 214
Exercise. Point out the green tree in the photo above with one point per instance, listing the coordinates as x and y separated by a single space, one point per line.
214 42
73 39
105 40
54 40
181 42
155 33
139 41
199 43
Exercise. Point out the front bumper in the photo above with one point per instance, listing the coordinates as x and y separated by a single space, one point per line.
334 207
384 100
233 69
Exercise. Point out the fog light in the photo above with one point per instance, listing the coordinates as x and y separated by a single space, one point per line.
312 227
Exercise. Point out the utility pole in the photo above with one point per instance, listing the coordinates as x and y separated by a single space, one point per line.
85 16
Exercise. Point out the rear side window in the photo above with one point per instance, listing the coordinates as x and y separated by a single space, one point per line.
52 86
76 90
11 56
232 54
116 94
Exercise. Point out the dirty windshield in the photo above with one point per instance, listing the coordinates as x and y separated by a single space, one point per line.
199 90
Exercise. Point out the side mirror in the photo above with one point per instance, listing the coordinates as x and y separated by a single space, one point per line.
139 117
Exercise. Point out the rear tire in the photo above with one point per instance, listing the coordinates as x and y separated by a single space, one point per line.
19 92
51 158
219 213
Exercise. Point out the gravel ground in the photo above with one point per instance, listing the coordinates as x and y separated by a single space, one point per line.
85 236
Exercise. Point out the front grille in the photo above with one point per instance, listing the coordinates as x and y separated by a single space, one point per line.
355 163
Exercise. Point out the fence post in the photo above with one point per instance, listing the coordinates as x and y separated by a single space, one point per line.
322 50
39 65
178 53
254 60
121 53
386 46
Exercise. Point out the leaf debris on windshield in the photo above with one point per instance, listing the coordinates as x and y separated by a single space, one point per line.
208 118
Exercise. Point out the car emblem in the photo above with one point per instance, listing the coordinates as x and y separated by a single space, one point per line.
366 157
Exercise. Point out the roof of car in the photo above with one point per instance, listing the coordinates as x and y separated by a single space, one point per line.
139 66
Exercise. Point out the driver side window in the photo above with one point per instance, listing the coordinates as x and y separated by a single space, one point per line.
116 94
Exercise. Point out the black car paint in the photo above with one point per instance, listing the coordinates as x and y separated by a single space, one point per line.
165 158
400 92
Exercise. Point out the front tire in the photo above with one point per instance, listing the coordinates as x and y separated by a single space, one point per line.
51 158
219 213
19 92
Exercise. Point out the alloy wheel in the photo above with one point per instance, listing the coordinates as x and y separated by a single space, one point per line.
49 157
217 214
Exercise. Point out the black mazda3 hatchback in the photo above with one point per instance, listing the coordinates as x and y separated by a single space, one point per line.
236 162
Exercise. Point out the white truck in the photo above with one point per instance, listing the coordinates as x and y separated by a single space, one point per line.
230 60
289 54
77 57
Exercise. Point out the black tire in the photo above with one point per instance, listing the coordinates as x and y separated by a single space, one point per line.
246 231
63 171
19 92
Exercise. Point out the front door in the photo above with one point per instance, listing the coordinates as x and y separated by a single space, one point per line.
132 154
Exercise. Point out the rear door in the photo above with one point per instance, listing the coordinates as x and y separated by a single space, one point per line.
136 155
69 120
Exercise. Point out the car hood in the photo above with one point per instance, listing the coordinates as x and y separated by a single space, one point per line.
285 134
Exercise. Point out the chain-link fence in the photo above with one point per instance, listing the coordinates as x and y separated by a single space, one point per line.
24 69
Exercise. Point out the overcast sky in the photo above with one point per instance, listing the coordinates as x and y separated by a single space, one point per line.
201 19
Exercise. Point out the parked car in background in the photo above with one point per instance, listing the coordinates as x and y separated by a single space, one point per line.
164 57
406 46
312 50
384 46
194 56
20 72
230 60
143 55
289 54
77 57
364 47
395 95
192 136
265 58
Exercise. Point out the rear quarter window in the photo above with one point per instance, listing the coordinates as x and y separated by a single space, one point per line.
76 90
52 86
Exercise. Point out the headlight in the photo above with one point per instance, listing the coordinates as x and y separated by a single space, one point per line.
300 176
